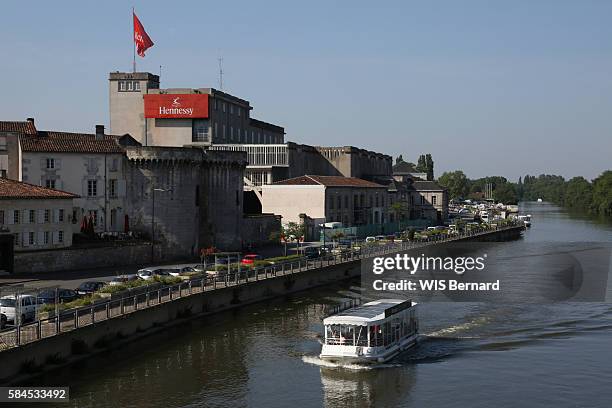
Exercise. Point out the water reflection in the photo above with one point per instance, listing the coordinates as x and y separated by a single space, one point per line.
384 386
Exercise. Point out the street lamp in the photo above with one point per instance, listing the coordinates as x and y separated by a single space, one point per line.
153 190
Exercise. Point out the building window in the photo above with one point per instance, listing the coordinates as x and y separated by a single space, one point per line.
422 200
112 188
200 130
60 236
50 183
46 237
1 217
16 217
32 216
47 216
114 166
346 202
17 239
239 110
216 104
31 238
223 107
50 163
231 109
60 215
92 188
434 200
129 86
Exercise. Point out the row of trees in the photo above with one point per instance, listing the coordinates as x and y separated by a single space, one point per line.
459 186
577 193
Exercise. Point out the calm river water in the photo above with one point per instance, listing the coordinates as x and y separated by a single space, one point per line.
471 354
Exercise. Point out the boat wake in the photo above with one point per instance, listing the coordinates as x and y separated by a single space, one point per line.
463 327
354 367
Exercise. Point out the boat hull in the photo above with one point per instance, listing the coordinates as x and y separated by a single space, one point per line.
376 356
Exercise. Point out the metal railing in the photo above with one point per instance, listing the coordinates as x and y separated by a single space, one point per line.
132 300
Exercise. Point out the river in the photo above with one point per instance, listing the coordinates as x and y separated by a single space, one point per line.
470 354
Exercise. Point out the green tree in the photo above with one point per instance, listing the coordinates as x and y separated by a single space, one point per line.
456 182
429 166
578 194
602 193
505 193
421 164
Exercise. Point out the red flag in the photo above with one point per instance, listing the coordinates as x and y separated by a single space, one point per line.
141 38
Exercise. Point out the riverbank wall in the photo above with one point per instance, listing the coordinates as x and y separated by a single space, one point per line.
20 363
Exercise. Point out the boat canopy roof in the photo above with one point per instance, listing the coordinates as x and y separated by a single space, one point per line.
369 312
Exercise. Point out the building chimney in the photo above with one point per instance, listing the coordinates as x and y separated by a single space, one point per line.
99 132
31 120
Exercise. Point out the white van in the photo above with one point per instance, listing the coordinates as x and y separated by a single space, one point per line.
8 307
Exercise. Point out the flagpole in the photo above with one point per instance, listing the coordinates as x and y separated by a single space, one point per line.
133 30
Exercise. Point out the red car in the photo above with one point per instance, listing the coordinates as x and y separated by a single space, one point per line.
249 259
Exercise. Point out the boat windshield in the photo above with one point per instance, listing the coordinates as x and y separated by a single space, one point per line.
346 335
378 334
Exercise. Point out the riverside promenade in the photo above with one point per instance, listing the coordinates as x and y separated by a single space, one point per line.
260 283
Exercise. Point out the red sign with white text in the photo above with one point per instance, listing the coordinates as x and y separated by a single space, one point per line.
176 106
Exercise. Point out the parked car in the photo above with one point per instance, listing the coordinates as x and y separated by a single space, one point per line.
87 288
2 321
49 296
121 279
311 252
150 273
249 259
8 306
370 239
178 270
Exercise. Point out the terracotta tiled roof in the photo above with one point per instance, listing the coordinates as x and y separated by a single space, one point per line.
328 181
26 127
64 142
11 190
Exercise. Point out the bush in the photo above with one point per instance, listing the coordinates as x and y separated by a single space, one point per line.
113 289
277 259
167 280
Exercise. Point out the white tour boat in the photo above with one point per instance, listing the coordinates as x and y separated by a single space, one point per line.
374 332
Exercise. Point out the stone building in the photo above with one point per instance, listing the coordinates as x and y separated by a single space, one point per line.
37 217
269 164
420 198
88 165
186 198
182 116
10 131
428 201
348 200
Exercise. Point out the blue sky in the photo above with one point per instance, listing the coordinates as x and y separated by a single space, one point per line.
493 88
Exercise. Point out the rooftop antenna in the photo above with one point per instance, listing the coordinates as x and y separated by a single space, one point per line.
160 72
220 59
